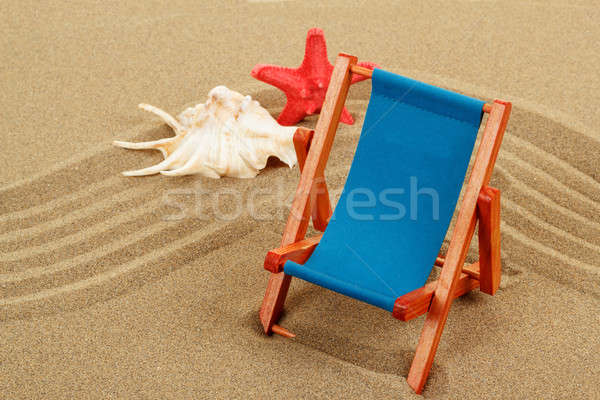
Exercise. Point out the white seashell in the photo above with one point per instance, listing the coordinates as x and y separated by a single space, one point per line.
229 135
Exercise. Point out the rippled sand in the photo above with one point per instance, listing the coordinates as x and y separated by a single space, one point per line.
106 292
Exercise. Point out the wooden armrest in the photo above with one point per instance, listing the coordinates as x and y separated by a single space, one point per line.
417 302
298 252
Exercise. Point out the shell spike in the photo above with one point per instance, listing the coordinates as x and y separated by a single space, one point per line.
155 169
166 146
165 116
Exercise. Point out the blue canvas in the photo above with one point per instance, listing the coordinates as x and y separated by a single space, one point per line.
400 194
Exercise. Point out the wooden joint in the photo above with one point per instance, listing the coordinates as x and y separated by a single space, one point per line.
416 303
472 269
298 252
272 262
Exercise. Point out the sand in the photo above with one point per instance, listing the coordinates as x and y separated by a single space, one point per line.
105 293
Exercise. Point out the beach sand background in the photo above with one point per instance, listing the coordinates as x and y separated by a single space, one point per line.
106 293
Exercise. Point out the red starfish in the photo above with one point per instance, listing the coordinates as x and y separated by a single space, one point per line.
305 86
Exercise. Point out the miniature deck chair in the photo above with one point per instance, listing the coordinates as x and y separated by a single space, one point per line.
401 192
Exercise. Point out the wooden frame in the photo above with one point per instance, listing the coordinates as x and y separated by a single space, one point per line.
480 203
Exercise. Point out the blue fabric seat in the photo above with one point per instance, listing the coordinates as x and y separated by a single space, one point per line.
400 194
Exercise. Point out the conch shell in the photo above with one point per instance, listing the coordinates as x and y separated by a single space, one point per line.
229 135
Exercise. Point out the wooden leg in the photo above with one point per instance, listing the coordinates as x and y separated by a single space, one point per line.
272 304
312 164
488 211
279 283
489 203
459 245
440 305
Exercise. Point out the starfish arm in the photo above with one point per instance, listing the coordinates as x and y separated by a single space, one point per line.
364 64
286 79
315 60
292 113
346 117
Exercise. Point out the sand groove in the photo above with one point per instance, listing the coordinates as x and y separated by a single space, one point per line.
81 258
98 186
119 270
524 187
508 203
81 235
37 193
550 236
78 216
86 257
560 188
551 162
523 238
